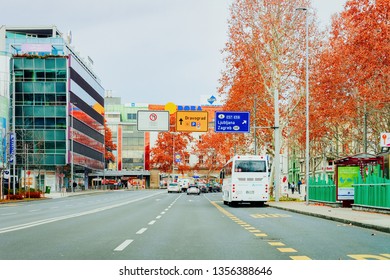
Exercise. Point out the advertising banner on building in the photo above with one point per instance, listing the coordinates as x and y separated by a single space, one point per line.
12 145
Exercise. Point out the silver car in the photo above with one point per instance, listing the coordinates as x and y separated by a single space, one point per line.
193 189
173 187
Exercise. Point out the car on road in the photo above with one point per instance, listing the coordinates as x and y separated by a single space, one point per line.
217 187
193 189
203 188
173 187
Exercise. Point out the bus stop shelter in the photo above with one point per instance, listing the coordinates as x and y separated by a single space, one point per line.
348 170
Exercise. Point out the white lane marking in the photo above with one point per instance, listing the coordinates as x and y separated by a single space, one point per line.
35 210
158 217
56 219
162 213
123 245
141 231
151 222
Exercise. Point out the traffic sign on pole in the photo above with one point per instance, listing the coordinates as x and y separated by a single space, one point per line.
236 122
192 121
152 120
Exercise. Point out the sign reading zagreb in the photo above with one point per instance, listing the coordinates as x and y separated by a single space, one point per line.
232 122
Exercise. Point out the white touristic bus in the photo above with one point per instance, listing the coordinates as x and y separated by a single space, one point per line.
245 180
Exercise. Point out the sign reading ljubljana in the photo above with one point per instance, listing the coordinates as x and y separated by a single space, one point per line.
236 122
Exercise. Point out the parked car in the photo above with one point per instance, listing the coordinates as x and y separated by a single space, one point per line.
217 188
203 188
193 189
173 187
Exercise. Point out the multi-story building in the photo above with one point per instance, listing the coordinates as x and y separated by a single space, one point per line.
54 112
122 120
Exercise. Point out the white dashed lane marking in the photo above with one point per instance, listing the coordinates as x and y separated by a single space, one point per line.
123 245
142 230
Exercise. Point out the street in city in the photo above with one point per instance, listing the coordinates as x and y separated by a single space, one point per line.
156 225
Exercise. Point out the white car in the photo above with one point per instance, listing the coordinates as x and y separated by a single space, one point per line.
193 189
173 187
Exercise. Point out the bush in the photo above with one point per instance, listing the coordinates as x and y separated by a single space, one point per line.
32 194
15 196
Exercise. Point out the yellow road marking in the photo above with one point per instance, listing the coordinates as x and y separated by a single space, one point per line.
262 216
287 250
300 258
368 257
276 244
261 234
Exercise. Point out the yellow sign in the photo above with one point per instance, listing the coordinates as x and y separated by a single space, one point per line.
192 121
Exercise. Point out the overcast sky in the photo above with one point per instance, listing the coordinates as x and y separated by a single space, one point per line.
147 51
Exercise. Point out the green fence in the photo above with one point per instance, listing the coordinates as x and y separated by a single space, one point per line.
373 191
322 190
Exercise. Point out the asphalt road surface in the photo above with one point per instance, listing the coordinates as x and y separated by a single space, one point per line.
156 225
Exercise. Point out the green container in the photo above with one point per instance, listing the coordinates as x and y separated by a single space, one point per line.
47 189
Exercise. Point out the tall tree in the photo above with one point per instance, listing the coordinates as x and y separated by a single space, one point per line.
214 150
351 80
264 59
170 150
109 145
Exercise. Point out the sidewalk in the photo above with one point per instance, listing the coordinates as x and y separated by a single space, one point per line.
371 220
67 194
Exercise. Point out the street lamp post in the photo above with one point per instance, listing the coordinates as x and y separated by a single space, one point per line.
307 156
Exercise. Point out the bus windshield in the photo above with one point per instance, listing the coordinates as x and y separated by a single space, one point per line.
250 166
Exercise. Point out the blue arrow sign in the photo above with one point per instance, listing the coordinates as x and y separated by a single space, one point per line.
237 122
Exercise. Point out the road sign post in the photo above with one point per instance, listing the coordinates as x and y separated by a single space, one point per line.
152 120
235 122
192 121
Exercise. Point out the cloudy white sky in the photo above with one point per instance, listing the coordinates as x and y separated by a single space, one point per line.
147 51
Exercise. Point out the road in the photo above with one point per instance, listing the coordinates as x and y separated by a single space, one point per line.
155 225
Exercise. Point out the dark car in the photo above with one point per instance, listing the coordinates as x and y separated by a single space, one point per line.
203 188
217 187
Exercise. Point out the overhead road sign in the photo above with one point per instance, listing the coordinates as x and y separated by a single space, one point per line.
192 121
236 122
152 120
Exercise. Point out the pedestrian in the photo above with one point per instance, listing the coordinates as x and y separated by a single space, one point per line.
292 187
299 186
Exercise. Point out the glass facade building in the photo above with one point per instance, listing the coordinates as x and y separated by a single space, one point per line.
55 109
122 120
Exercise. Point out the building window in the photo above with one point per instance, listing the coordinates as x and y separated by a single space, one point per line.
131 116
